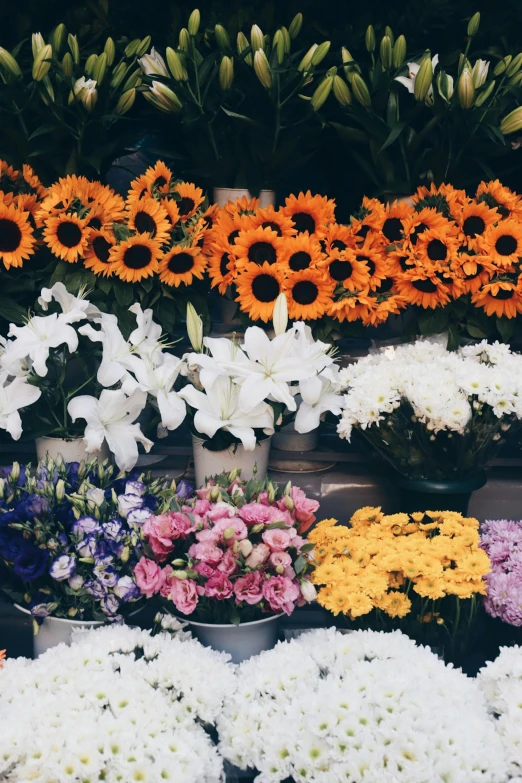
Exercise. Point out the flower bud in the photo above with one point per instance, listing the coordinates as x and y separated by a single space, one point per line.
280 569
163 98
228 533
257 40
511 123
474 24
515 80
125 554
280 316
37 43
257 528
222 38
423 79
305 63
295 26
308 591
514 65
271 492
484 94
58 37
179 575
110 51
8 62
279 45
100 69
2 488
60 489
90 63
389 32
262 69
386 52
501 66
480 73
445 86
133 80
242 45
143 46
399 52
184 40
289 503
175 64
341 91
178 562
118 75
72 43
126 102
320 53
215 494
245 547
194 328
286 39
67 65
42 63
369 38
466 89
321 93
72 611
194 22
360 90
132 46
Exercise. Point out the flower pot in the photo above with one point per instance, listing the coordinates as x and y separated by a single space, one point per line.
71 449
427 495
209 463
288 439
240 641
223 195
56 630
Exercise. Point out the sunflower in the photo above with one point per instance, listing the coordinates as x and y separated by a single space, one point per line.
335 236
427 218
473 219
221 266
16 236
29 203
97 255
54 204
436 247
33 182
135 258
308 294
228 227
112 203
268 217
374 310
181 265
9 178
66 236
500 297
209 216
377 263
343 267
139 188
199 236
475 271
72 187
147 216
348 308
422 288
241 205
496 195
445 199
170 206
503 242
158 178
190 199
258 246
300 252
394 220
258 287
307 212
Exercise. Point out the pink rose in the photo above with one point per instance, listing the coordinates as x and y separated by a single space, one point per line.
184 595
304 509
221 510
256 514
149 577
237 530
249 588
258 556
228 565
280 559
278 539
280 592
204 569
207 552
219 586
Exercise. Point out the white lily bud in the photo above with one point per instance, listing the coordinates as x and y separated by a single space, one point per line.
480 72
280 316
37 43
153 64
194 328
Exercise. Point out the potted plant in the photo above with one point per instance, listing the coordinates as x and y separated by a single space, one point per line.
231 560
71 535
436 416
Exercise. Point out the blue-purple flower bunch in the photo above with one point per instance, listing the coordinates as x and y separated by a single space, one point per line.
71 535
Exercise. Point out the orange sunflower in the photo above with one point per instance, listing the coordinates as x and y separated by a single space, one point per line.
191 198
258 287
17 240
349 308
394 221
436 247
228 227
377 263
368 219
473 219
427 218
97 254
221 266
268 217
300 252
500 297
422 288
181 265
135 258
33 181
139 188
241 205
258 246
337 237
475 271
147 216
375 310
29 203
308 294
445 199
157 179
170 205
503 242
496 195
209 216
66 236
307 213
343 267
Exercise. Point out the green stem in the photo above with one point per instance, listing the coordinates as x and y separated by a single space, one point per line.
196 72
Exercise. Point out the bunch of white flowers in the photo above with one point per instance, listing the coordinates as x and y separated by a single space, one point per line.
118 705
365 708
501 682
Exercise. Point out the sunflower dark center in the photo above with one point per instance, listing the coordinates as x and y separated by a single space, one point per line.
418 230
144 223
180 263
186 205
338 244
223 264
473 225
274 226
506 245
299 261
137 256
159 182
265 288
363 231
392 229
503 293
424 286
259 252
436 250
403 263
95 223
305 292
303 222
232 237
69 234
208 221
10 236
369 262
340 270
385 286
101 249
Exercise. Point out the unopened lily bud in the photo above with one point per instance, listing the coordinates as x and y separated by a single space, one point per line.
133 81
67 65
58 37
132 46
72 43
125 554
295 26
321 93
257 528
341 91
42 63
8 62
234 473
511 123
320 53
386 52
423 79
244 547
360 90
100 69
515 80
483 96
175 64
179 574
305 63
474 24
389 32
215 494
90 63
287 40
308 591
125 102
262 69
501 66
37 43
257 40
445 86
369 38
143 46
60 489
118 75
466 89
480 73
242 45
279 45
72 612
280 316
164 98
194 328
184 40
399 52
110 51
514 65
222 38
194 22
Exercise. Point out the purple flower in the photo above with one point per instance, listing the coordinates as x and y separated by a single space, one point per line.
110 604
76 581
63 567
138 516
85 526
6 472
184 490
11 544
106 575
111 530
135 488
30 563
128 503
87 547
102 554
33 506
94 588
115 548
40 610
96 496
127 589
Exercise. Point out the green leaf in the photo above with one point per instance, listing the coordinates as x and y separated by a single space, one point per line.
47 128
11 311
307 548
242 117
349 134
453 338
123 293
433 322
506 327
394 135
278 526
300 564
474 331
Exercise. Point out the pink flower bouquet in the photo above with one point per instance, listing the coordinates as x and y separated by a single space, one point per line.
233 553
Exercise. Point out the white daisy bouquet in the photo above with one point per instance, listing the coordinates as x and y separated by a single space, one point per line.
430 412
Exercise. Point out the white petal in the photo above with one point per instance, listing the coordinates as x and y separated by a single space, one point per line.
254 390
257 343
84 407
195 398
307 418
246 435
408 83
310 389
172 409
13 425
207 423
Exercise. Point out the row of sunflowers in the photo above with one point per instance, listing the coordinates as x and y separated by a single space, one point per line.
438 248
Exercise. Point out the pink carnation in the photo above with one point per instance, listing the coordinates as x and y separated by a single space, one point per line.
278 559
256 514
304 509
149 577
207 552
219 586
249 588
184 595
281 593
228 565
207 535
258 556
278 539
201 507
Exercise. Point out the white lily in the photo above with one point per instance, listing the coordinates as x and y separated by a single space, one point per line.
119 355
85 91
319 395
153 64
219 408
224 355
314 353
158 381
409 80
13 396
479 72
112 418
146 338
76 308
34 341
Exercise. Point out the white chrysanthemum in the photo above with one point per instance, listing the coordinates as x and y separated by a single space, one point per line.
365 708
118 705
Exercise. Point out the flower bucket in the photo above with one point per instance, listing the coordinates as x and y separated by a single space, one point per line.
240 641
288 439
56 630
223 195
71 449
424 494
209 463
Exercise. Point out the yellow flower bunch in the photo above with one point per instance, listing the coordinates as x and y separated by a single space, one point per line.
387 561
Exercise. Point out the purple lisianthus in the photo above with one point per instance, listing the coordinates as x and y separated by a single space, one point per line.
94 588
115 548
33 506
127 589
110 604
106 575
85 526
87 546
128 503
138 516
76 581
102 554
111 530
11 544
184 490
63 567
30 563
96 496
135 488
6 473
